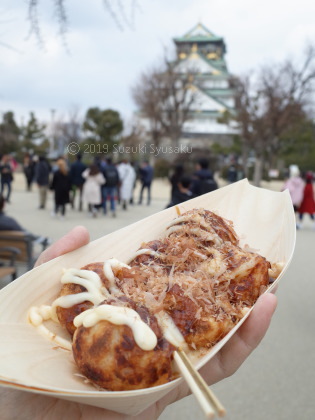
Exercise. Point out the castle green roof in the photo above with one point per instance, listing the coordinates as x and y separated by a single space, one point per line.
199 33
219 92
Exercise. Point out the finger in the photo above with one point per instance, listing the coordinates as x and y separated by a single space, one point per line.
248 336
243 342
76 238
235 351
254 329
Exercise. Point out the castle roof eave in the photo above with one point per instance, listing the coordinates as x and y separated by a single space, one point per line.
214 64
207 35
197 39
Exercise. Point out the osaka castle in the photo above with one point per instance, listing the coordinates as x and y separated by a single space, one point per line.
201 53
204 52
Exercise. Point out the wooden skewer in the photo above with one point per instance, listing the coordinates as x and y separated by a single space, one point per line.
206 398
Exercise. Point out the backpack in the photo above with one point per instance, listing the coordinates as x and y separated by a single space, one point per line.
207 185
111 176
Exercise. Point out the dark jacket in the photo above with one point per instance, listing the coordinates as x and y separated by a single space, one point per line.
146 175
42 171
232 174
6 172
8 223
111 175
61 184
174 180
203 182
29 171
179 197
76 170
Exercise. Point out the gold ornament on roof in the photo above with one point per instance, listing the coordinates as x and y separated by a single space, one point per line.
194 48
182 55
212 56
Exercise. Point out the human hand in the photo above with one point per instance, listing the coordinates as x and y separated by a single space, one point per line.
19 404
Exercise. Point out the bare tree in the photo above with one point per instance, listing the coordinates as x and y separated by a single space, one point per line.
287 91
166 99
246 107
269 104
123 16
147 96
35 27
133 133
68 129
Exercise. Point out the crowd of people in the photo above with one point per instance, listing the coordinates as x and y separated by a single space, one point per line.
103 185
99 186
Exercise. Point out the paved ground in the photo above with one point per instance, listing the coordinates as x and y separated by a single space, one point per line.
277 381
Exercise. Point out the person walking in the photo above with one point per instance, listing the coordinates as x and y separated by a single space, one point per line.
6 173
42 172
134 166
308 202
127 176
232 173
29 171
146 178
295 186
77 180
174 180
61 185
91 194
182 193
203 181
109 189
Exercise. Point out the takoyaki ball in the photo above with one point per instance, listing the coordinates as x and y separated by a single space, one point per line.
98 268
133 282
249 273
208 221
198 329
67 315
222 227
108 355
156 246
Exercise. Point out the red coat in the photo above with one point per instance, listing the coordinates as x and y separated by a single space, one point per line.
308 203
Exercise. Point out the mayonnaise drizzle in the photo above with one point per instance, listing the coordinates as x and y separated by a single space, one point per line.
170 331
95 291
108 271
144 251
42 313
143 335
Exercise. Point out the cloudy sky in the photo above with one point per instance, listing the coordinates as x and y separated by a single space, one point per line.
103 61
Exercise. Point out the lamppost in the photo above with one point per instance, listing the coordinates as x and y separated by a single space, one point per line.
52 133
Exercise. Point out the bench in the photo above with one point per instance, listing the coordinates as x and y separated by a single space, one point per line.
24 243
8 253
